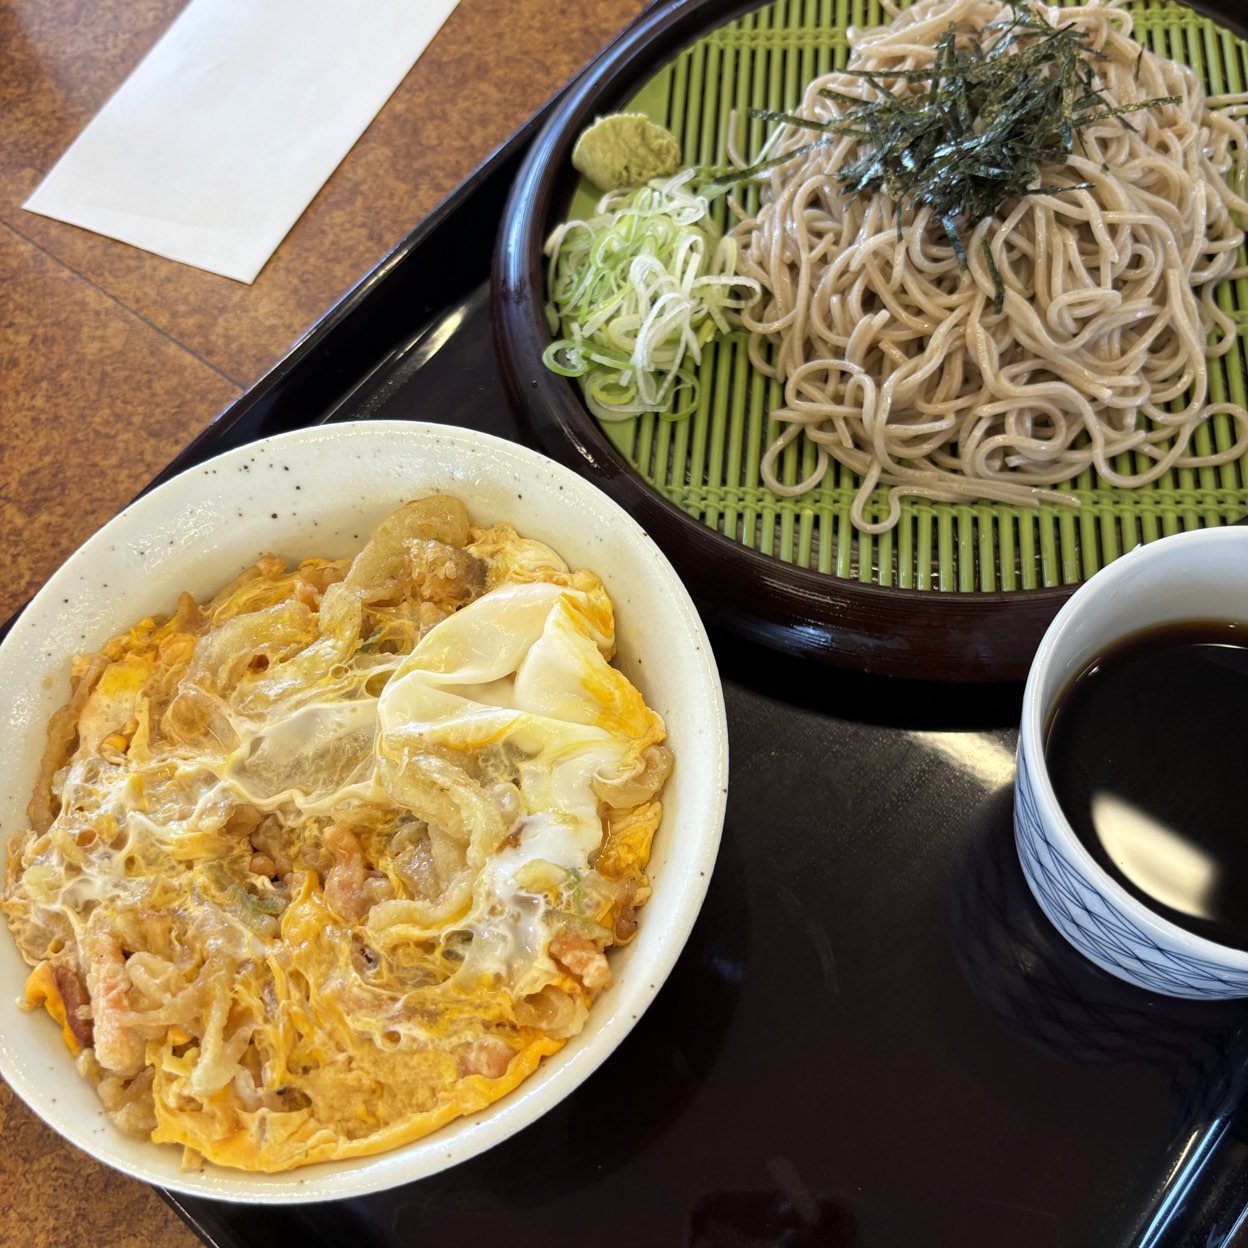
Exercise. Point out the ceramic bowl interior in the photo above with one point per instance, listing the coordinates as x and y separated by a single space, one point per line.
319 492
1200 575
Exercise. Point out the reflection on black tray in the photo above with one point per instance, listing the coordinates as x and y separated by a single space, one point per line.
1019 967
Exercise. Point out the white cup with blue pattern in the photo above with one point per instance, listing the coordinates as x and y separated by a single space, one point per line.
1198 575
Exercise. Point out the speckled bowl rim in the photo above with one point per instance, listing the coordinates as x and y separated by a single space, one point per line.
318 491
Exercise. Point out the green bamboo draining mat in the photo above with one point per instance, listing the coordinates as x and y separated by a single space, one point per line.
708 464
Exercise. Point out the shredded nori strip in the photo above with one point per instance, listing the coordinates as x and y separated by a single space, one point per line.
995 110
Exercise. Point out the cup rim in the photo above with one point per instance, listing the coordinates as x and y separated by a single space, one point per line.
1031 744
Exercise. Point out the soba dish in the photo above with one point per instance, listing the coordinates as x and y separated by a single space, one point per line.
988 256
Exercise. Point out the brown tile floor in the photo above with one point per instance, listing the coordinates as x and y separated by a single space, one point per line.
111 359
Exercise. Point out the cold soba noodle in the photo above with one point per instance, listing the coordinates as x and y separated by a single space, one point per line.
894 358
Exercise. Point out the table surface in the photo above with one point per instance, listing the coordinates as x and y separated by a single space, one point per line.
112 360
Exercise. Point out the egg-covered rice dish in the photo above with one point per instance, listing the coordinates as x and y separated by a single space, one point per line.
328 860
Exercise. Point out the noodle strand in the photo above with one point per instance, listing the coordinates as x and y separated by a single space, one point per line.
894 361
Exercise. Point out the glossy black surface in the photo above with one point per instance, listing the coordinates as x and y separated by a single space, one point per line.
874 1037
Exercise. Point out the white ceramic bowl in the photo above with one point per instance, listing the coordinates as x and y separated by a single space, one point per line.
319 492
1201 575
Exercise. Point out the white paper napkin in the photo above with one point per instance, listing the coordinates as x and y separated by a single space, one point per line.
216 143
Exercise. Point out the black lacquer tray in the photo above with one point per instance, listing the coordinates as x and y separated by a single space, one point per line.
873 1038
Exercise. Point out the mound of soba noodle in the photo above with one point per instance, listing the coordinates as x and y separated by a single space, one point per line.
893 358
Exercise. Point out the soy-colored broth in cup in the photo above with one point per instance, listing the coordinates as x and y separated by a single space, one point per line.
1145 750
1167 916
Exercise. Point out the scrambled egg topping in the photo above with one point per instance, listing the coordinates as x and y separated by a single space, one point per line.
333 858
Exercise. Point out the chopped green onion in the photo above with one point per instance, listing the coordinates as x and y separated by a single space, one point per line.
637 291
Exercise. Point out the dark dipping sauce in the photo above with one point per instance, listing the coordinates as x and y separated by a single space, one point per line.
1148 754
